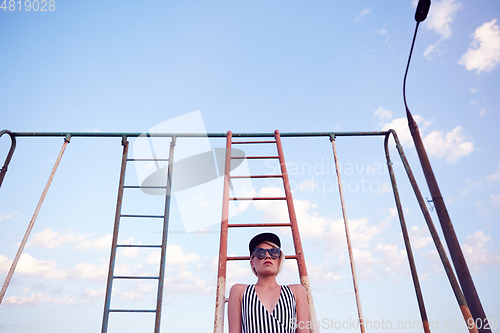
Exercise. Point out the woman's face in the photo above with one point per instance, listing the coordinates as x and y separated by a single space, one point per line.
267 265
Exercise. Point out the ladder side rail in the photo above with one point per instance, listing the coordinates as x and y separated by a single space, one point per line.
301 263
161 277
114 242
221 273
348 238
406 238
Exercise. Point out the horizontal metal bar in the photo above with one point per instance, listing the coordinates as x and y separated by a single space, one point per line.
252 157
137 277
137 186
145 216
194 135
239 225
134 245
125 310
260 198
147 160
258 176
248 258
250 142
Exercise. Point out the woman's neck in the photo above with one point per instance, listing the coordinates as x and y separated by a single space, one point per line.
267 281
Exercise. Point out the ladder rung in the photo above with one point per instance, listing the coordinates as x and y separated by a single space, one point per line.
260 198
145 216
148 159
136 186
253 157
133 245
248 142
137 277
248 258
125 310
239 225
258 176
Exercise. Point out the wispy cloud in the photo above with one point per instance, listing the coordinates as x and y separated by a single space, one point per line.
484 51
365 11
452 146
439 20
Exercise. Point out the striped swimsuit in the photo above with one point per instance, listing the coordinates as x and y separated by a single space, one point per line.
256 319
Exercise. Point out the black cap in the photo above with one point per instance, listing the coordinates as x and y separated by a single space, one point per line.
266 236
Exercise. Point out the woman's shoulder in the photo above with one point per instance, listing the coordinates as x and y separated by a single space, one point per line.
298 290
238 288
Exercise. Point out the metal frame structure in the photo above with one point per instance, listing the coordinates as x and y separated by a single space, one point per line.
331 135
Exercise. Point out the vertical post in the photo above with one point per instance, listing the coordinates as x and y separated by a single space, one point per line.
221 273
166 216
301 262
32 222
112 258
348 238
406 238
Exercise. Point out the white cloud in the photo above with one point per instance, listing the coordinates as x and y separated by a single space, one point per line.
476 252
495 176
365 11
482 112
51 239
452 145
28 265
484 51
383 114
400 125
175 256
34 299
441 15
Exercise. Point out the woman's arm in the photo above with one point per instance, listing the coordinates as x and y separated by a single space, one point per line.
234 308
302 308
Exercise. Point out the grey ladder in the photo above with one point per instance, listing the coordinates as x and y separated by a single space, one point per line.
163 245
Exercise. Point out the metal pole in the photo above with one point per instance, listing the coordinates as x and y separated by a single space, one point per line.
112 258
32 222
221 273
348 238
165 235
435 237
457 256
3 171
409 252
301 262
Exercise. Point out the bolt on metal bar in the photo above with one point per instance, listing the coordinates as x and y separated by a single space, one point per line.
348 238
437 241
32 222
3 171
406 238
112 258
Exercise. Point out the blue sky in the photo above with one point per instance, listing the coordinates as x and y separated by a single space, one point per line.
248 66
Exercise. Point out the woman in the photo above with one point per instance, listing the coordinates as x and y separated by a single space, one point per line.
266 307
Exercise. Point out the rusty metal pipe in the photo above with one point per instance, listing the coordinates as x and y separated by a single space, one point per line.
457 256
348 238
435 237
32 222
406 238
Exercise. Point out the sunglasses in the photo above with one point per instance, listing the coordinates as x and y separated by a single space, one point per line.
260 253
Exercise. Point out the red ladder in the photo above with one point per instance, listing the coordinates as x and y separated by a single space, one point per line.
223 258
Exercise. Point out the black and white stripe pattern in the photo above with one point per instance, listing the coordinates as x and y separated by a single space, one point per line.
256 319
